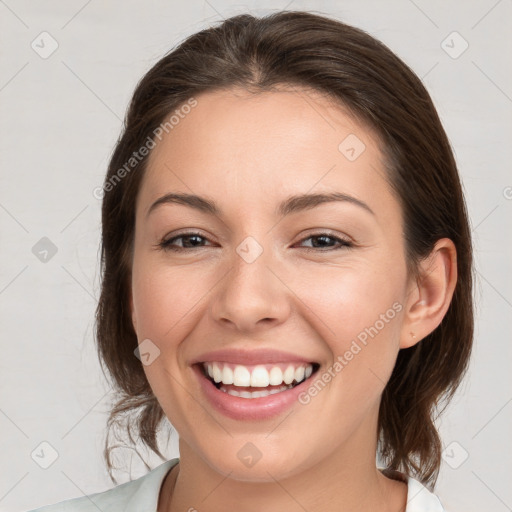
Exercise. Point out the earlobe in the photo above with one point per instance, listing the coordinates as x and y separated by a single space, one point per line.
431 295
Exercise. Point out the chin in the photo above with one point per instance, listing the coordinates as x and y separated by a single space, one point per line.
266 469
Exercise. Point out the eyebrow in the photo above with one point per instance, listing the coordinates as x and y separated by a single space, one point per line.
292 204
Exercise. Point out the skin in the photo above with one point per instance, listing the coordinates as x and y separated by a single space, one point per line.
248 153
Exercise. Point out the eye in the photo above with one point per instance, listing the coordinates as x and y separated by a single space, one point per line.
187 238
324 239
192 240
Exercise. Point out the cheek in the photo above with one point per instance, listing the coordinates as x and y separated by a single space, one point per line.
358 313
359 324
350 299
165 300
164 297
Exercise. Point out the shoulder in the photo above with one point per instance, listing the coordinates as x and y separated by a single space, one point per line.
139 495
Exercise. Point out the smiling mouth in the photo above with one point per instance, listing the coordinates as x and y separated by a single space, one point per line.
257 381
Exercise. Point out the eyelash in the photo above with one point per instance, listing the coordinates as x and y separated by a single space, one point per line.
344 243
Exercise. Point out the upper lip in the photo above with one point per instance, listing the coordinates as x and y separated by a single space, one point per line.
250 357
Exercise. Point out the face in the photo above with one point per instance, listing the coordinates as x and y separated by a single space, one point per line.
325 283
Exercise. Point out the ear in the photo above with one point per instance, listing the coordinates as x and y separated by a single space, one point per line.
430 295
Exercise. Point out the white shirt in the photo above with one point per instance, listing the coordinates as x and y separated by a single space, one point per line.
141 495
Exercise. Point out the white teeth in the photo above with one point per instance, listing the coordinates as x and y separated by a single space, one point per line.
276 376
227 375
274 391
217 373
254 394
241 376
289 375
259 377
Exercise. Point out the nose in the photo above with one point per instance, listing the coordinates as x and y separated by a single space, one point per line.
252 296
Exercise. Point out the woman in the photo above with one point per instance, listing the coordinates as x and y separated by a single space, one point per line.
286 251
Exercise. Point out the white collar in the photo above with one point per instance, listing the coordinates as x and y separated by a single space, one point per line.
419 498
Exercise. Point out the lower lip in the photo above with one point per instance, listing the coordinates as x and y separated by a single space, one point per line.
249 409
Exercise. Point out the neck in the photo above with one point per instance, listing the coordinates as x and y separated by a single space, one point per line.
346 480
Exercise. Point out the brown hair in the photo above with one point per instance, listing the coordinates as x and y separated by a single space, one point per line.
360 73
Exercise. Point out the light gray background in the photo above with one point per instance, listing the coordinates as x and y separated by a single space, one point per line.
60 117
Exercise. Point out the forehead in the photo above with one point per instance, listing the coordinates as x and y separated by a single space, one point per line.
254 148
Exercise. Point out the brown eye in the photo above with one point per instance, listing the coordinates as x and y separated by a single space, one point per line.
323 241
189 241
